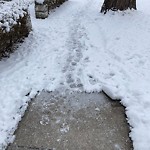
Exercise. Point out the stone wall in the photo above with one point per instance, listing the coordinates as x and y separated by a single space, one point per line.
42 10
17 32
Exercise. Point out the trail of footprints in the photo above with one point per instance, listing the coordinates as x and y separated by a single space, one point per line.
75 62
73 67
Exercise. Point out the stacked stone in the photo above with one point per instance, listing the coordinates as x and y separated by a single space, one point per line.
42 9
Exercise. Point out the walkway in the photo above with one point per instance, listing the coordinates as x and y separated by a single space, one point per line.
77 121
77 49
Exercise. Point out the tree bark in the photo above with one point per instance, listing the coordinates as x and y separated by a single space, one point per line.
115 5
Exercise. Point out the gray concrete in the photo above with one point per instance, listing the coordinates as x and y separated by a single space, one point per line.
76 121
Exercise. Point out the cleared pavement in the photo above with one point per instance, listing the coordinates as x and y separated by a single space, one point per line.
73 121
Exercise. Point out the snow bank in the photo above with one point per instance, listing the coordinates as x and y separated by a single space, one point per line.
11 11
119 62
33 67
40 1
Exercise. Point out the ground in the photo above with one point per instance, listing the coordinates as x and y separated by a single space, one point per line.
73 121
79 49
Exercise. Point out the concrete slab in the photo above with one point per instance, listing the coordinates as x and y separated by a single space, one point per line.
77 121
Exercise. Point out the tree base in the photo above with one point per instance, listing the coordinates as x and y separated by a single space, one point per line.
115 5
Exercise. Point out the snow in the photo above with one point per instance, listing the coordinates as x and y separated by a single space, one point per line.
40 1
77 48
11 11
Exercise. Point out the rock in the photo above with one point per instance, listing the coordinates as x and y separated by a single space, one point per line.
42 10
41 15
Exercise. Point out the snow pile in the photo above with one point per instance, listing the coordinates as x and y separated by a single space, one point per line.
40 1
78 46
33 67
10 12
118 53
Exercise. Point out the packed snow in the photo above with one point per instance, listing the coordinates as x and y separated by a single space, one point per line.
78 48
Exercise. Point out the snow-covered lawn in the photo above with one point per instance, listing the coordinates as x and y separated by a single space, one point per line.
78 48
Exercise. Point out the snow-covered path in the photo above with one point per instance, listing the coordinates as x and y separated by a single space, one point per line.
77 48
39 63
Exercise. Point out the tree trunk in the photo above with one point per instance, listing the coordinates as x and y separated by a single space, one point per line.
115 5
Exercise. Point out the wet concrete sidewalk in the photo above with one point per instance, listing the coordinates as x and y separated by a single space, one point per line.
77 121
